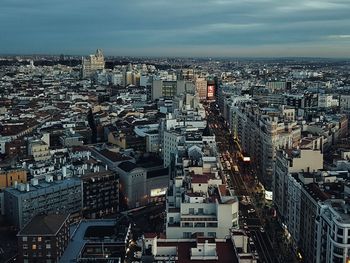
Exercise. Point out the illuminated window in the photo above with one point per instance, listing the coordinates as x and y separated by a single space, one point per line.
39 239
33 247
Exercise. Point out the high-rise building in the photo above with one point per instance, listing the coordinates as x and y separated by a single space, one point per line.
201 88
92 63
167 89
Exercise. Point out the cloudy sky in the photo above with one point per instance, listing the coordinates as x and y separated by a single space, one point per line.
177 28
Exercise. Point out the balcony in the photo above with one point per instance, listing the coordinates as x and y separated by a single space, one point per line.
205 219
174 224
173 210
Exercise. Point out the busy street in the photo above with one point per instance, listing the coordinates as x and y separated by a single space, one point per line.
240 177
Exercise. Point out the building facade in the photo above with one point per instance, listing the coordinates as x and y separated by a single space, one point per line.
100 194
43 239
92 64
24 201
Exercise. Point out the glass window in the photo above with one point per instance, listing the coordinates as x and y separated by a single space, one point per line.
212 234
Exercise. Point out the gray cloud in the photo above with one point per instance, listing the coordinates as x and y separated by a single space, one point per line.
181 27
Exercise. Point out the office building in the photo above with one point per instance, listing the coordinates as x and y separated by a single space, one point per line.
24 201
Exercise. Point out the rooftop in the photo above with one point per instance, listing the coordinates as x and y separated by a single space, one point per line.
224 250
127 166
44 225
113 156
92 232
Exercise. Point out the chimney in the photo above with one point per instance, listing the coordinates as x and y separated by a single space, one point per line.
48 178
64 171
34 181
27 187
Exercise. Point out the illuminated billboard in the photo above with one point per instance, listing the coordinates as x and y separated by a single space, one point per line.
268 195
158 191
246 159
210 91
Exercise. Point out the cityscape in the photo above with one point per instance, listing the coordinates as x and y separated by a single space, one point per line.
222 141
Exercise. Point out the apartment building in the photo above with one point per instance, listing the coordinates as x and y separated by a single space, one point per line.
260 132
100 194
199 204
8 177
44 238
24 201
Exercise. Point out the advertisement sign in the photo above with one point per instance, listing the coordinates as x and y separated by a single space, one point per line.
158 192
211 91
268 195
246 159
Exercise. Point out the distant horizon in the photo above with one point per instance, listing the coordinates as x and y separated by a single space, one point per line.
2 55
182 28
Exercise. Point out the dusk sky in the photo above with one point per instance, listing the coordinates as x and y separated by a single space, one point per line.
209 28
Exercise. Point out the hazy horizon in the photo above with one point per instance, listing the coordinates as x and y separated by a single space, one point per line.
156 28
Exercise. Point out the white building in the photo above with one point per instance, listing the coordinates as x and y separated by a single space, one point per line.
93 63
327 101
199 204
333 232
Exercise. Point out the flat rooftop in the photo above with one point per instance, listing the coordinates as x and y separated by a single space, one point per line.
224 250
79 236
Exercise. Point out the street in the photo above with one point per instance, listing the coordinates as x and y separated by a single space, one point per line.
239 177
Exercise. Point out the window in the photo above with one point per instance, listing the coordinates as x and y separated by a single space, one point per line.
211 234
33 247
39 239
25 239
340 231
186 234
191 211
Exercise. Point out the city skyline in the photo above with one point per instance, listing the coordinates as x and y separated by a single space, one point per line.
254 28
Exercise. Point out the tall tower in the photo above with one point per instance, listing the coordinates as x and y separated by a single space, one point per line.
92 63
